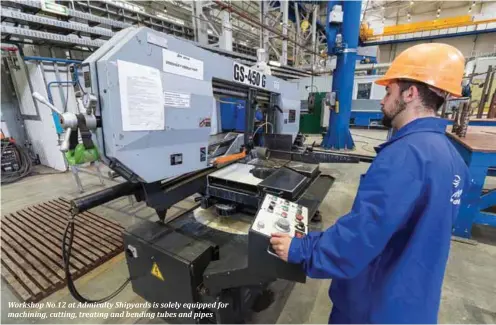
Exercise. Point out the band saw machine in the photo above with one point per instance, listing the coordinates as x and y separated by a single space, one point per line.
148 99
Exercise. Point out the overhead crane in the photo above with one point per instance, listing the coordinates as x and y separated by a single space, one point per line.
431 29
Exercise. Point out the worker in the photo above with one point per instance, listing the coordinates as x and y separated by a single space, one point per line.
466 91
387 256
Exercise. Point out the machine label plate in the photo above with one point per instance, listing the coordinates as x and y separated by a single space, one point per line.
176 99
182 65
249 76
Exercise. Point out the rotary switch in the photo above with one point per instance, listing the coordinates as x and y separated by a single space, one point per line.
283 225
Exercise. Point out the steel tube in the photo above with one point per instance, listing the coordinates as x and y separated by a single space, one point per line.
101 197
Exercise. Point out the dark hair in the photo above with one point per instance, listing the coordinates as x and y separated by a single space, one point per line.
429 98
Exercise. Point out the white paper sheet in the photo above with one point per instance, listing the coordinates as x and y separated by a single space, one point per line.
142 97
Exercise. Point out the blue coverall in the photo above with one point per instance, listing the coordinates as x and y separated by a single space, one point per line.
388 255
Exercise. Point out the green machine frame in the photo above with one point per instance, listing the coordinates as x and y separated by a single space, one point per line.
311 122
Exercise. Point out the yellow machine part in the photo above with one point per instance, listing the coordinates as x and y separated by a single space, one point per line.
367 34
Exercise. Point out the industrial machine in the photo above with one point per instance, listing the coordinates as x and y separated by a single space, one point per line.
148 99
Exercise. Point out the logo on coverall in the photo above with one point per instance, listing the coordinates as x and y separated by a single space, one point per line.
455 198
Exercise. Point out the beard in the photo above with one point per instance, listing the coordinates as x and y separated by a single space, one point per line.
387 119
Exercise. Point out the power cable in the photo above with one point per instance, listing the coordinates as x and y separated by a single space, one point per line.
66 255
23 159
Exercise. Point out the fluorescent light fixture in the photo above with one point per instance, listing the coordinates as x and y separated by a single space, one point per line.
275 63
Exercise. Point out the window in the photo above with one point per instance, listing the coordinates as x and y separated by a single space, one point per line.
364 90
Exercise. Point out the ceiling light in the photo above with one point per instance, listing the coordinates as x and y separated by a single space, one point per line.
438 15
470 9
411 3
473 3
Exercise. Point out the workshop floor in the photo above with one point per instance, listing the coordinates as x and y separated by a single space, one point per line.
469 286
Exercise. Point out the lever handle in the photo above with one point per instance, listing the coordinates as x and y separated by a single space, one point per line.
43 100
66 143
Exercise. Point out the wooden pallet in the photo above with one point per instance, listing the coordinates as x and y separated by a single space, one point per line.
31 242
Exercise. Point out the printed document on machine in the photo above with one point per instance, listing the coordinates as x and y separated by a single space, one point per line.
142 97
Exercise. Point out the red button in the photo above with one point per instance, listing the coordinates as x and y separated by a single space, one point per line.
284 214
299 217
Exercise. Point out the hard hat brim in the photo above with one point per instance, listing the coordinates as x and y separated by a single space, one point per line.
385 81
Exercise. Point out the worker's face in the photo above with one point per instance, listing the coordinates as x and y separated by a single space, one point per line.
392 104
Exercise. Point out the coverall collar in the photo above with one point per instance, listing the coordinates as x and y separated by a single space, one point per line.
424 124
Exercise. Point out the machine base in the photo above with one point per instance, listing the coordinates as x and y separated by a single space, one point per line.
184 262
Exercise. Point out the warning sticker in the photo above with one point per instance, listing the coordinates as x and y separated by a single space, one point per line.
176 99
204 122
156 271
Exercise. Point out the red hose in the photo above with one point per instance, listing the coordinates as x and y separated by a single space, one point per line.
9 48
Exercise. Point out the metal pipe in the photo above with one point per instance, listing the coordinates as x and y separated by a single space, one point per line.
484 92
371 66
92 200
42 58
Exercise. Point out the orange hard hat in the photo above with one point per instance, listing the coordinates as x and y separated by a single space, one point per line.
438 65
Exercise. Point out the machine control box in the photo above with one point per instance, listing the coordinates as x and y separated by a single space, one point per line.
280 215
276 215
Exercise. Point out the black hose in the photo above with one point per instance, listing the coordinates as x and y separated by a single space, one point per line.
24 161
66 255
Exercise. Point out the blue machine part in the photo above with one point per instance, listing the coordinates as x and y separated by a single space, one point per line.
479 122
259 115
232 114
364 118
371 118
338 135
474 202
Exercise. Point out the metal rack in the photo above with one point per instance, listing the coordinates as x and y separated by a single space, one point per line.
88 25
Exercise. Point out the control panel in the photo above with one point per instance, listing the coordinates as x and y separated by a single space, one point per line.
276 215
282 216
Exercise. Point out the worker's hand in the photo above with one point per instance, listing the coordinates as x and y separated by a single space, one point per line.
280 243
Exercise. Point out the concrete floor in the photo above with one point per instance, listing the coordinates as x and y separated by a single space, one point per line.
469 289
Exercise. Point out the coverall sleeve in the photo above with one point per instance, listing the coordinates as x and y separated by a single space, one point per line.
386 198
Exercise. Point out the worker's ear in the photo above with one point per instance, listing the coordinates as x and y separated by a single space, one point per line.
410 94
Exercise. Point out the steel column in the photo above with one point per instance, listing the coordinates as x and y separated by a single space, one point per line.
200 26
338 134
284 51
314 34
264 8
226 38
